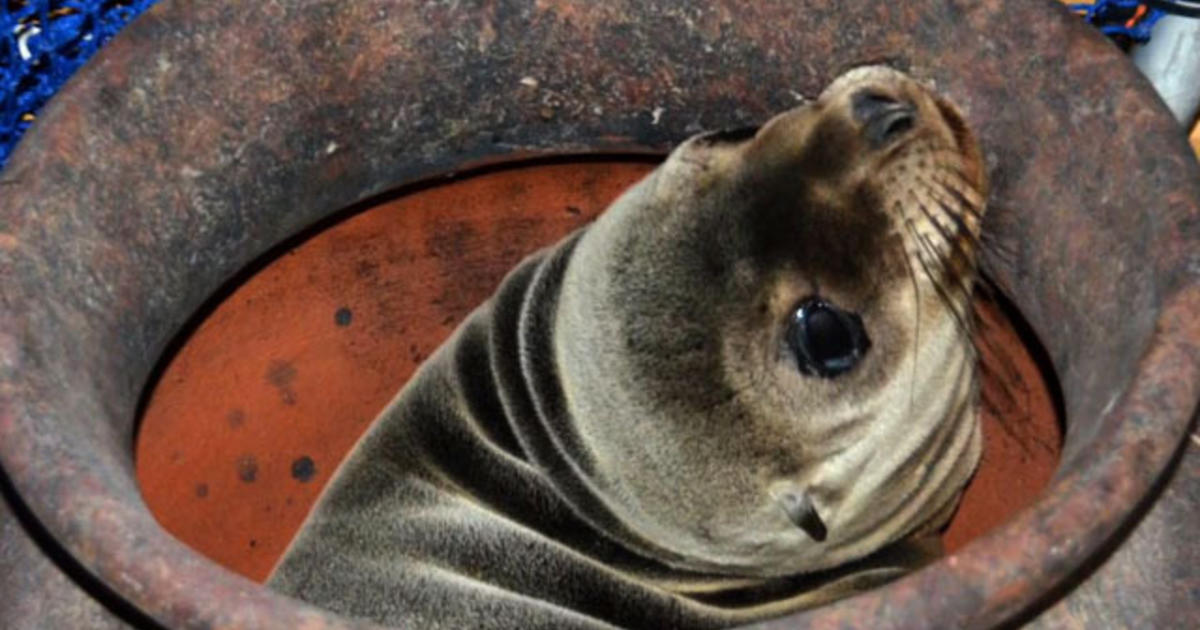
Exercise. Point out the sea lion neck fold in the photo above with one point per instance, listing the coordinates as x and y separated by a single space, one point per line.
529 383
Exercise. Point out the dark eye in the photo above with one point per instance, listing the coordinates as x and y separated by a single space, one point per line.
826 340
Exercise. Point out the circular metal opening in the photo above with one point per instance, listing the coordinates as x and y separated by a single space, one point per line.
204 135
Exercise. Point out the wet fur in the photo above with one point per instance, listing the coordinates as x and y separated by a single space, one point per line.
606 441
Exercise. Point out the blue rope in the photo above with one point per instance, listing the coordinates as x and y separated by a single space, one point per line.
42 43
1112 17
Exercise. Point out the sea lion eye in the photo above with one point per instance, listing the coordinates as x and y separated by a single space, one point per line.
826 340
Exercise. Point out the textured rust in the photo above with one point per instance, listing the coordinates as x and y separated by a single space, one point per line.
207 133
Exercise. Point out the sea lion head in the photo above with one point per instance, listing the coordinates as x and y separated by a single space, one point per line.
763 346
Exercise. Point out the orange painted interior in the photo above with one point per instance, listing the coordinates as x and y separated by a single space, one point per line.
255 411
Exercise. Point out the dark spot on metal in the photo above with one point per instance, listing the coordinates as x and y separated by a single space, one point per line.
366 269
303 469
280 375
201 490
574 210
236 418
451 239
108 98
247 468
253 543
343 316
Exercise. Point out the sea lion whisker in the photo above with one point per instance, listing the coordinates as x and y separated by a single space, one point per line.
948 199
966 193
952 198
1005 251
958 190
961 320
952 164
985 345
997 364
961 254
946 203
947 270
912 277
982 241
957 251
962 248
970 238
999 397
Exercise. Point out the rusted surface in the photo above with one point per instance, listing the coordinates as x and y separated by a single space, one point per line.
38 592
289 369
1148 579
207 133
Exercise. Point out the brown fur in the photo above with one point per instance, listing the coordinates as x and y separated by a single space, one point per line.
609 438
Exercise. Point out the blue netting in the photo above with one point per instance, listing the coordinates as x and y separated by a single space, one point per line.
1131 19
42 42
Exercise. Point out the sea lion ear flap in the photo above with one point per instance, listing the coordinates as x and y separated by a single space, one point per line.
799 507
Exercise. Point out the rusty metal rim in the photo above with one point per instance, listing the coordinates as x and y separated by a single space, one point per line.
76 476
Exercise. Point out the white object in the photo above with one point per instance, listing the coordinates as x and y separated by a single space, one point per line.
1171 60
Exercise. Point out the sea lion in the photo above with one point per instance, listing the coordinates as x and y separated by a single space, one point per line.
747 388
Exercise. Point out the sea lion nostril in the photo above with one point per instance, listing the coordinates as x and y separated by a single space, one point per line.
882 117
868 104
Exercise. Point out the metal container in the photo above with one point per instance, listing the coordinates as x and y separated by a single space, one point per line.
206 133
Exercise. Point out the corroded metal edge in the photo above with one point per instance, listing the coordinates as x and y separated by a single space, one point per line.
205 134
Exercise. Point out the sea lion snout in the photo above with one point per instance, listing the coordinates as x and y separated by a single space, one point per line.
887 104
